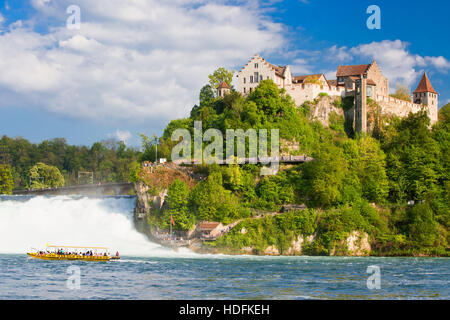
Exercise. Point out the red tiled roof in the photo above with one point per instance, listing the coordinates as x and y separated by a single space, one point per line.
356 70
300 79
425 85
224 85
279 70
208 225
334 83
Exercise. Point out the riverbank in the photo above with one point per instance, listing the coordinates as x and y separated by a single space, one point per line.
300 231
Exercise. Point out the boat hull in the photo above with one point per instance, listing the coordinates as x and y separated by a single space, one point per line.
53 256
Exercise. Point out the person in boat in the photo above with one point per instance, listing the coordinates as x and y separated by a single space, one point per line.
117 254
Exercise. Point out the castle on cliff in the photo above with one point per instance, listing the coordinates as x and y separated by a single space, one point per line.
355 81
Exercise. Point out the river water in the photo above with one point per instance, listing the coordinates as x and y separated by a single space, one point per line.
148 271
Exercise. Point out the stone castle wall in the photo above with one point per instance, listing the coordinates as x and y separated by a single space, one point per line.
310 91
393 106
374 73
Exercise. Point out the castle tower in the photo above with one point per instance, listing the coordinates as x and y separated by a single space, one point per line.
426 95
361 104
223 89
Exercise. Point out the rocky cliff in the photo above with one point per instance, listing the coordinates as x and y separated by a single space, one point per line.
323 108
142 198
356 244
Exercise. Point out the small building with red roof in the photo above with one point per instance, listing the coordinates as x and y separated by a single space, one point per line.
425 94
223 89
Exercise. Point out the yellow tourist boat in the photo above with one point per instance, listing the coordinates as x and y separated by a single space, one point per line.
82 253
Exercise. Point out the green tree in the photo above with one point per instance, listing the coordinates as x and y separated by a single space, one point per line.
211 201
367 161
219 76
45 176
444 113
402 93
326 176
178 200
422 226
149 147
134 171
6 179
413 159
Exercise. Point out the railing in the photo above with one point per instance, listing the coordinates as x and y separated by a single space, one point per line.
254 160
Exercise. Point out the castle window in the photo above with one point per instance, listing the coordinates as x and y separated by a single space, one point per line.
251 79
244 89
256 77
244 79
261 78
256 66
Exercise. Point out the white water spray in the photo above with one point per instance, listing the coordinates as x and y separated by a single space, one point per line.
62 220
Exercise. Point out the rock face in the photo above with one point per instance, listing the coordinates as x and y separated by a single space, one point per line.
322 110
142 198
296 248
248 250
158 201
358 244
272 251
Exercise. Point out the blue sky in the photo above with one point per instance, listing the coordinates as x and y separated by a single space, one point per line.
133 66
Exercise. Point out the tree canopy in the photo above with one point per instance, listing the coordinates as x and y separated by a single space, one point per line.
6 179
44 176
220 75
108 161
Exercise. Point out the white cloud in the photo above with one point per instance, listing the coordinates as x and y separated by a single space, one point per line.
330 74
438 62
300 67
80 43
40 3
121 135
134 60
339 54
397 63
